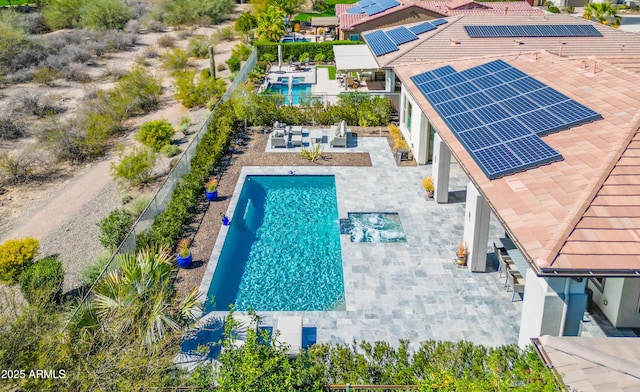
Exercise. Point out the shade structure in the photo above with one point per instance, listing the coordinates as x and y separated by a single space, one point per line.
354 57
323 21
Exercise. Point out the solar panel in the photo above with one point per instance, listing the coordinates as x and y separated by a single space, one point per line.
380 43
496 31
422 28
386 4
439 22
401 35
478 138
364 3
355 10
499 113
372 9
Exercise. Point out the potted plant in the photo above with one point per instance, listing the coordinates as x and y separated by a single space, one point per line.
461 254
211 189
427 184
184 253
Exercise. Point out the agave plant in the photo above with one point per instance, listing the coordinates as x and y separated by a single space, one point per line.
138 298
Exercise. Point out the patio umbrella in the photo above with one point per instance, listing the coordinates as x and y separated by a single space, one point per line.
290 89
279 57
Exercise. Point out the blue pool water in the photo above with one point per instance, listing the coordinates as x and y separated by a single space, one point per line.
296 80
282 251
287 40
375 227
298 91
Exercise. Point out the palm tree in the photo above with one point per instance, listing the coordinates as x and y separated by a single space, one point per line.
604 13
271 24
138 298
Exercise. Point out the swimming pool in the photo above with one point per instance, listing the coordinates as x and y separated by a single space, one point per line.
295 80
298 91
282 251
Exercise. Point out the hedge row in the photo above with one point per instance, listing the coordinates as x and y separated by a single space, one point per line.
168 226
295 49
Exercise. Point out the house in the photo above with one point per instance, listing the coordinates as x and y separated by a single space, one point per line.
353 19
547 129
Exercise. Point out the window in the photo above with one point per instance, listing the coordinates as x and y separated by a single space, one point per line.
407 113
354 37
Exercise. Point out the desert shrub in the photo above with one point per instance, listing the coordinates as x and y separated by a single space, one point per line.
76 73
64 141
135 167
138 92
41 283
36 104
67 55
204 12
30 22
221 67
151 52
156 26
16 167
103 15
139 204
192 94
31 55
166 41
133 26
20 76
234 64
60 14
45 75
176 60
119 41
224 34
10 129
114 228
155 134
245 23
16 256
241 51
170 150
90 273
198 47
12 43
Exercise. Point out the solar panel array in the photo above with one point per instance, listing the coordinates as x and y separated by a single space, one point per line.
499 114
577 30
382 42
372 7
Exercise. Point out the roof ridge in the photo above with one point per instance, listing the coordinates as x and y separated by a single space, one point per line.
577 213
607 360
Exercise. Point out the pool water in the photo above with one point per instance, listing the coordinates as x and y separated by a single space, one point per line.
282 251
298 91
375 227
285 80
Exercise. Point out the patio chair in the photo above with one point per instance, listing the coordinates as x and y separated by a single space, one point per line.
290 328
279 138
516 282
338 135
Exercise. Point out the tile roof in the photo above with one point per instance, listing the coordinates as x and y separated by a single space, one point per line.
573 215
439 8
593 364
619 47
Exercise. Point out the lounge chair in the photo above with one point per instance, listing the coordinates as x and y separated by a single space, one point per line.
516 282
290 328
338 135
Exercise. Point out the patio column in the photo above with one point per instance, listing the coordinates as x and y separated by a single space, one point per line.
551 306
476 229
441 164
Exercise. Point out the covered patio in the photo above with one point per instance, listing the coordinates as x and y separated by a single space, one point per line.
359 59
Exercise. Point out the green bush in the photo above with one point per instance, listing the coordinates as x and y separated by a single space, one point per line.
296 49
241 52
42 282
90 273
155 134
15 257
204 12
114 228
170 150
61 14
137 92
13 42
134 168
192 94
234 64
198 47
103 15
176 60
138 205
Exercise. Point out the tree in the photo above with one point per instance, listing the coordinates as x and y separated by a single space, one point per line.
288 6
138 298
270 25
245 24
604 13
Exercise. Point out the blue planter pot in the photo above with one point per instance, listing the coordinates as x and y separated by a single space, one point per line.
184 262
211 196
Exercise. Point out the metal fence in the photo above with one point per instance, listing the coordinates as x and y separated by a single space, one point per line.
325 99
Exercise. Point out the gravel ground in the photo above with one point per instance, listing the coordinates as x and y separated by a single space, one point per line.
205 223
